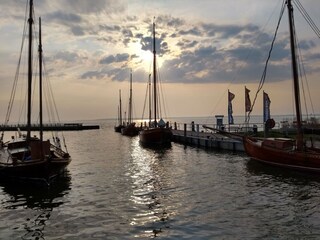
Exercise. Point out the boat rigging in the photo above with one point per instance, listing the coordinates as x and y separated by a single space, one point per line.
286 152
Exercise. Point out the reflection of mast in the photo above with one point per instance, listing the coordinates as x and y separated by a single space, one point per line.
30 22
130 100
154 75
295 76
120 110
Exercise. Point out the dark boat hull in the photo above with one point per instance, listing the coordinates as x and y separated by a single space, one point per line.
306 160
16 164
45 169
156 136
130 130
118 128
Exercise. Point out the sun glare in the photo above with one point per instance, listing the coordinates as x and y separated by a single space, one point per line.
144 58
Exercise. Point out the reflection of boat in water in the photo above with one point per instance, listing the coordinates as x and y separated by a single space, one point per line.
42 200
25 156
284 152
157 134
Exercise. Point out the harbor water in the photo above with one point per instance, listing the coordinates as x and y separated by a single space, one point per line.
116 189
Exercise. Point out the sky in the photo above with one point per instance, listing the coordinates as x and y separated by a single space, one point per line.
204 48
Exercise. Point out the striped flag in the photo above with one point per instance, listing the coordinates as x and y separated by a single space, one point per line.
266 107
247 100
230 111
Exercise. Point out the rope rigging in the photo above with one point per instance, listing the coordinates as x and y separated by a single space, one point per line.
307 17
302 72
16 78
49 97
264 74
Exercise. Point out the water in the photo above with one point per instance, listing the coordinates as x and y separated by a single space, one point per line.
116 189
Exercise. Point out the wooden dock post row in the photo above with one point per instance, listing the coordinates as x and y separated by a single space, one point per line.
209 140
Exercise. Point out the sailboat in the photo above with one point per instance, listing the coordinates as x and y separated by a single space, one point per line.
157 133
284 152
120 124
26 156
130 128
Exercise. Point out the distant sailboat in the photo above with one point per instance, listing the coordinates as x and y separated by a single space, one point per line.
286 152
130 128
120 123
30 157
158 133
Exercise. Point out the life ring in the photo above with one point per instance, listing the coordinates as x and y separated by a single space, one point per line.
270 123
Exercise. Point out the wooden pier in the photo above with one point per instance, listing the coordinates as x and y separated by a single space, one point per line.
205 139
50 127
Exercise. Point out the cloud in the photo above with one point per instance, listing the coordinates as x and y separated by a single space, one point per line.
123 57
191 52
66 56
63 17
202 52
92 6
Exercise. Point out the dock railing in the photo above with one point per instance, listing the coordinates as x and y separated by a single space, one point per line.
236 128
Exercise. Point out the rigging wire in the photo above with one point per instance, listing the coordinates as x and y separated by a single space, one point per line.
145 99
51 104
307 17
14 87
316 30
162 97
237 73
264 74
303 75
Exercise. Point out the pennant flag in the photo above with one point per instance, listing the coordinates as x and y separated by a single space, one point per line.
230 111
247 100
266 107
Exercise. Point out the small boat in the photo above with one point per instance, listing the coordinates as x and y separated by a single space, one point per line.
26 156
285 152
118 127
130 128
157 133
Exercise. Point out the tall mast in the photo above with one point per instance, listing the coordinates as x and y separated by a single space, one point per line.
130 100
40 81
30 22
154 75
120 110
295 76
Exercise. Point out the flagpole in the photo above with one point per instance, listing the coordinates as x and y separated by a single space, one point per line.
228 110
245 108
264 112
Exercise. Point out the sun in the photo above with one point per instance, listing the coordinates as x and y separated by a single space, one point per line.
142 58
146 59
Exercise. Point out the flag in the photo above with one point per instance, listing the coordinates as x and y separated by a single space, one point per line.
247 100
266 107
230 112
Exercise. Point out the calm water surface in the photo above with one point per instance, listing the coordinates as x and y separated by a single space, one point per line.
116 189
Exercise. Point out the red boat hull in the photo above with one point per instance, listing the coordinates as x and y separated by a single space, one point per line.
279 153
